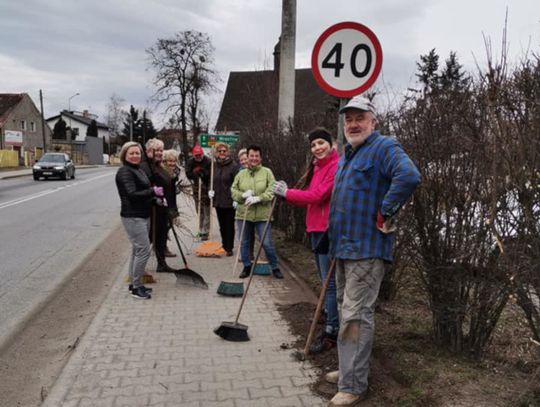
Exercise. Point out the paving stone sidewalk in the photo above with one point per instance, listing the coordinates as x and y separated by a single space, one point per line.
163 352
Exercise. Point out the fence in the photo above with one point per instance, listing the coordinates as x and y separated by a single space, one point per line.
9 158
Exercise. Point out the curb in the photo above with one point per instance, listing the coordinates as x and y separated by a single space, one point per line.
27 172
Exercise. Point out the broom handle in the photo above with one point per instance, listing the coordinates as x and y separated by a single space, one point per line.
241 236
319 306
211 189
153 226
199 204
251 273
171 223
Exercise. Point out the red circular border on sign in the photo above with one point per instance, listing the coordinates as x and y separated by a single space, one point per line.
316 49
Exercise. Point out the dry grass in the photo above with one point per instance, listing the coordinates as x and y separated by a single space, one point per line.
408 369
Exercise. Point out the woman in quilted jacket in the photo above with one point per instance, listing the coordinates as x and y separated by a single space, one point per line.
313 191
136 198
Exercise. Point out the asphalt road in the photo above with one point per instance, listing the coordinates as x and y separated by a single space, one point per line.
47 229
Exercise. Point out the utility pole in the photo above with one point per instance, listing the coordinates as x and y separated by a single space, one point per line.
286 64
144 126
42 123
70 128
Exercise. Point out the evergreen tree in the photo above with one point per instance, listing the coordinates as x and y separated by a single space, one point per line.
131 119
143 128
452 76
92 130
428 67
59 131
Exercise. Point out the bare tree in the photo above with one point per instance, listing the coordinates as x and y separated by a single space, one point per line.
115 113
115 118
183 71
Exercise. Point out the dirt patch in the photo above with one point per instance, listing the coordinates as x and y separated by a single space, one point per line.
32 363
407 368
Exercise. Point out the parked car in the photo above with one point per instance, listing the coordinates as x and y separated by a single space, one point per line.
54 165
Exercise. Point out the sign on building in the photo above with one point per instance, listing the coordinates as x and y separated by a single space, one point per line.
13 138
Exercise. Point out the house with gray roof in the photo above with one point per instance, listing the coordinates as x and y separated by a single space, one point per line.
21 127
79 122
251 100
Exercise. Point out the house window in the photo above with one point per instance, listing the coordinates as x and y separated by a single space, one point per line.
23 124
32 126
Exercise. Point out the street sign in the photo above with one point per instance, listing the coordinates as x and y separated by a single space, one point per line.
346 59
209 140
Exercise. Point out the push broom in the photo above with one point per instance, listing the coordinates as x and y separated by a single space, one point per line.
234 331
210 248
234 288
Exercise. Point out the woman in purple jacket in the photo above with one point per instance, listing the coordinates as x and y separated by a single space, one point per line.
313 192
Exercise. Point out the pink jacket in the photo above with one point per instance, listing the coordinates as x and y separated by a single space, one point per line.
317 196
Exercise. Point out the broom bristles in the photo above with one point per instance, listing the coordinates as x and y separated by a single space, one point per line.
232 332
210 249
231 288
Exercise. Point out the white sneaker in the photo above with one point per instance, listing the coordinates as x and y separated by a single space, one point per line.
346 399
332 377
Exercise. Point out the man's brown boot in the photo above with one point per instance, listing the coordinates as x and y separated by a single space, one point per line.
342 399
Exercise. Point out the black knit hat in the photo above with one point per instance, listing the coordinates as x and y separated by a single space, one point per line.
320 133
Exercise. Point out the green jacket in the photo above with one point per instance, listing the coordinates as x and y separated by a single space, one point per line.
260 180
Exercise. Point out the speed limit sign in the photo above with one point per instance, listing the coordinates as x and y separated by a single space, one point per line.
346 59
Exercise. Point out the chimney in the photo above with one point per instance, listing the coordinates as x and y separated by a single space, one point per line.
287 60
276 53
85 113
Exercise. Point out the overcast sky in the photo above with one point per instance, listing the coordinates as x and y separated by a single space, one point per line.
97 48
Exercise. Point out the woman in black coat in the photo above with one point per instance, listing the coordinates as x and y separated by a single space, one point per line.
136 197
153 167
224 172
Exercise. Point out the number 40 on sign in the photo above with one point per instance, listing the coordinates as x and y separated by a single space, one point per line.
346 59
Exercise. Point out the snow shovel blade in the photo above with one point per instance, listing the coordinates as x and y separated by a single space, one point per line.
233 332
189 277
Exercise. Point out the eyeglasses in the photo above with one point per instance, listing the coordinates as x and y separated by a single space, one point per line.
221 151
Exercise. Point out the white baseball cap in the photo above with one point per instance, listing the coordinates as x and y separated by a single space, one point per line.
360 103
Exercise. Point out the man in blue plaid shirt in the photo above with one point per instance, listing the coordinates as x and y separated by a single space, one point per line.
375 177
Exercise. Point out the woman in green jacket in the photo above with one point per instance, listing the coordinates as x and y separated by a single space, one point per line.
252 190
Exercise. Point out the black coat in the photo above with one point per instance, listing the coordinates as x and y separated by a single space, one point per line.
135 192
224 173
160 177
197 171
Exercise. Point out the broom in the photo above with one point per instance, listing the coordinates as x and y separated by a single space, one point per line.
210 248
234 288
234 331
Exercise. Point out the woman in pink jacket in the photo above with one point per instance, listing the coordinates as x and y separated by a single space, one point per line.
313 192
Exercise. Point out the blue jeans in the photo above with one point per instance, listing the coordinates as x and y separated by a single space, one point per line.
330 302
268 246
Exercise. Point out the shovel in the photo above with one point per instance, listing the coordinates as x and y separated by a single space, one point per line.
186 275
234 331
301 355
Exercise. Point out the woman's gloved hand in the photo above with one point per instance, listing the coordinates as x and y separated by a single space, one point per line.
280 188
158 191
252 200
